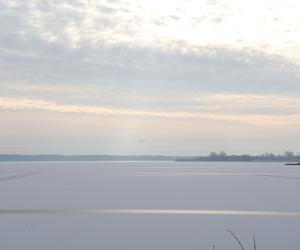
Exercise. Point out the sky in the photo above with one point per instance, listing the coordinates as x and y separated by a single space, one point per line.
180 77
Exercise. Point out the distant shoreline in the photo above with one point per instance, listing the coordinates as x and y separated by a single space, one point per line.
215 158
45 157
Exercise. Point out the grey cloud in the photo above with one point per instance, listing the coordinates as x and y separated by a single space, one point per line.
27 57
214 69
105 9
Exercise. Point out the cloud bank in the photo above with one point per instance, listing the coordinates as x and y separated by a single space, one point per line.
25 104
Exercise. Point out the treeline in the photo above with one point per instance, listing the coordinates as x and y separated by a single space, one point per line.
287 156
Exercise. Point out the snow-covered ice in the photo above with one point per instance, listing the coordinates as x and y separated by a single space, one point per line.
148 205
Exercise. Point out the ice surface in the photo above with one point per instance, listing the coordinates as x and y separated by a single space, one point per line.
150 186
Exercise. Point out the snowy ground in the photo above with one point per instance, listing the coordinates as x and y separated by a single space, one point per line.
148 205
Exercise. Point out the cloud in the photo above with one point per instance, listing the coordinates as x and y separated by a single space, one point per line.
34 104
121 44
144 70
78 52
143 24
247 104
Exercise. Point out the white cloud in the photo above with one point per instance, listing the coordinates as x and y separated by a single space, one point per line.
268 26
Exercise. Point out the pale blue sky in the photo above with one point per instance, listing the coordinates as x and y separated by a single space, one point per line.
149 77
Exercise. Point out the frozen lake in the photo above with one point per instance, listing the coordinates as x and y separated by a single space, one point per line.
148 205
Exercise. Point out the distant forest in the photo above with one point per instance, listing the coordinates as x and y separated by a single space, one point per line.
287 156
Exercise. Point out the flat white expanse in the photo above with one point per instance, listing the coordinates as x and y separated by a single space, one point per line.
148 205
